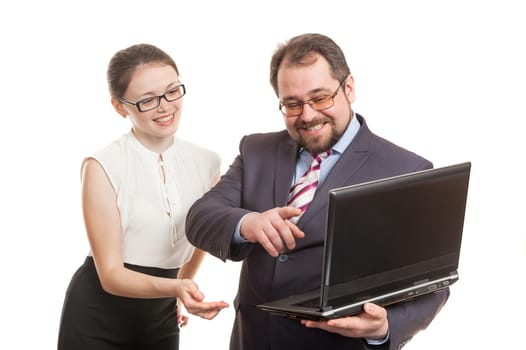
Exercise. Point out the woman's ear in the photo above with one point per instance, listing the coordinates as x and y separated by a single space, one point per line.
118 107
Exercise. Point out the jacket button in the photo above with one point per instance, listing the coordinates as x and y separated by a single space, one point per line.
283 258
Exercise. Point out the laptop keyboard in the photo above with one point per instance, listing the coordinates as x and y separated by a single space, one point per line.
310 303
334 302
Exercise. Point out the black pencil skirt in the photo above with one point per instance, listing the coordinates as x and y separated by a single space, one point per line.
94 319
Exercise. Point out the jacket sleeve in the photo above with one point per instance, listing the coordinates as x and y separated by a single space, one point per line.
408 318
212 219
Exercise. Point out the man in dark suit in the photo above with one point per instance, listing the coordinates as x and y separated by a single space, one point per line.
246 216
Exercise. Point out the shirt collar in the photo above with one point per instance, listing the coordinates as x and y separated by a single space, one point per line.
348 135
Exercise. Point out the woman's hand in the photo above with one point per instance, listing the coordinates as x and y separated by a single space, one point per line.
182 320
192 298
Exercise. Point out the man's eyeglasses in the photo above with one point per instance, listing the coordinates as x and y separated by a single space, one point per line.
149 103
318 103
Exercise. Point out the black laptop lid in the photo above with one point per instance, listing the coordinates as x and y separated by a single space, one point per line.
422 214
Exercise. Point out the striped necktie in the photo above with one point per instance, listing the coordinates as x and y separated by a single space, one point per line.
302 192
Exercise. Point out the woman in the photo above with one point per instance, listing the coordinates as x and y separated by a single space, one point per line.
135 195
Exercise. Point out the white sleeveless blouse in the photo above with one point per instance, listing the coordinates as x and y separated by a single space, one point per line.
154 192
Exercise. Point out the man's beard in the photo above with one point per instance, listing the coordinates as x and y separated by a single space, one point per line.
315 145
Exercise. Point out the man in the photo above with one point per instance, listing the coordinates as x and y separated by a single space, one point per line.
246 216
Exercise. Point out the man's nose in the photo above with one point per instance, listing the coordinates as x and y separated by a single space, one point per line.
308 112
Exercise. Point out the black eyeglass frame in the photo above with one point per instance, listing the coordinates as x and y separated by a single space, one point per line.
158 97
309 101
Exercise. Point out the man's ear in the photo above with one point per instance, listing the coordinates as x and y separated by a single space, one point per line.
349 88
118 107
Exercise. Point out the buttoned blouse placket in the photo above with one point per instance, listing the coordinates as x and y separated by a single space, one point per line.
169 207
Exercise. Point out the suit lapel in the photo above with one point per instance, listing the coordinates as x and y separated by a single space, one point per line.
341 174
285 167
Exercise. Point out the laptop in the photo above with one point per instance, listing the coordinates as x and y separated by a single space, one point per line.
386 241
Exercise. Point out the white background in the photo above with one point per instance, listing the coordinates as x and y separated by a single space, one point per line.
445 79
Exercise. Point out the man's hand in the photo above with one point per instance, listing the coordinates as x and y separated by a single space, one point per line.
272 229
370 324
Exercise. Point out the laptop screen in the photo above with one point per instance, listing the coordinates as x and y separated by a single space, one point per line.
421 214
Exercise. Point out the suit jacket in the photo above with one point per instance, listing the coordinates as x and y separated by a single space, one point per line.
258 180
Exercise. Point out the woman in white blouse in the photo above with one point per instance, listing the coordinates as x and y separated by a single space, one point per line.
135 195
